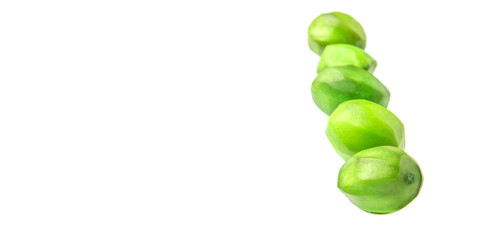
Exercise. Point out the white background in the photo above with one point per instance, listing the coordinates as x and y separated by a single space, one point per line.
194 120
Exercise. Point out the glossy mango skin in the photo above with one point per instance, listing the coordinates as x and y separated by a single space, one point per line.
344 54
357 125
335 27
381 179
336 85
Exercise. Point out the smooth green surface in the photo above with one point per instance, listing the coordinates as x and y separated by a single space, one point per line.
380 180
344 54
357 125
335 27
336 85
315 47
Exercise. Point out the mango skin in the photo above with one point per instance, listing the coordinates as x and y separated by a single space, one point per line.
336 85
344 54
335 27
356 125
380 180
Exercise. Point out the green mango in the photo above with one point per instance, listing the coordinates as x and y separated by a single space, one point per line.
335 85
335 27
356 125
344 54
315 47
381 179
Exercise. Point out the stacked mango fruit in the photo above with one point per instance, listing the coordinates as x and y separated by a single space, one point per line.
378 176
